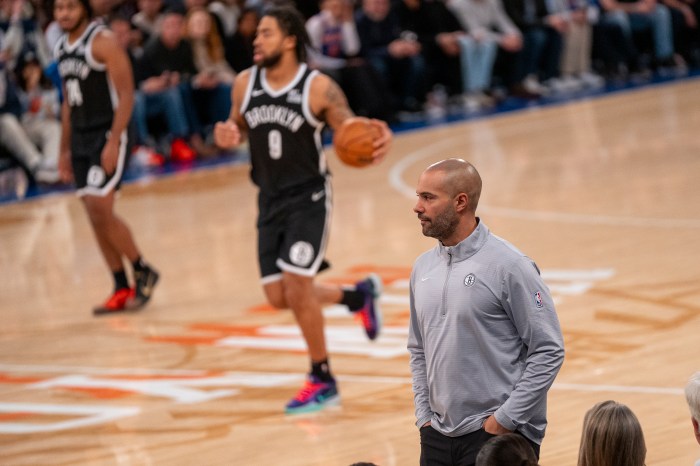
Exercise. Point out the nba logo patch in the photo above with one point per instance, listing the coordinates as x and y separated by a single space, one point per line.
538 299
294 97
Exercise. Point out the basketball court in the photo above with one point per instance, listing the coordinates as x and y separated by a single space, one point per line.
603 193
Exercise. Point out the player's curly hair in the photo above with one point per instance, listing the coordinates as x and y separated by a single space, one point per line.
88 8
291 22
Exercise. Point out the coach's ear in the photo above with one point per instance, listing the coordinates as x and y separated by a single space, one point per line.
696 429
461 202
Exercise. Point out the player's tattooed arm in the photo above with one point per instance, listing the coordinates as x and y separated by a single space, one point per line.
334 108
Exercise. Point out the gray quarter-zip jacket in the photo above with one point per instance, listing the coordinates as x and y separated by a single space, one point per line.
484 338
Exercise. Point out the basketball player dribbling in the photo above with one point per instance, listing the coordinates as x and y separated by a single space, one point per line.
282 105
98 91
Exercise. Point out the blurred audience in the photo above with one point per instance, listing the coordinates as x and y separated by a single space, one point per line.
335 46
14 138
686 33
437 31
394 54
542 28
644 16
147 20
214 79
41 110
393 58
239 47
165 74
576 69
489 28
226 14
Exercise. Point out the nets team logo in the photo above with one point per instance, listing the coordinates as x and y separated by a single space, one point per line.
301 253
469 280
538 299
96 176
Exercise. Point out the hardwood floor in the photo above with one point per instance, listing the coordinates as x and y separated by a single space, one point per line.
602 193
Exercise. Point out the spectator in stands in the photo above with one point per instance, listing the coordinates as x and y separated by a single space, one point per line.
41 113
165 73
12 32
214 77
644 15
23 14
686 33
506 450
438 32
489 28
123 30
226 14
34 40
147 20
144 151
101 9
335 45
614 50
692 396
333 36
394 54
207 48
612 436
239 47
576 70
542 33
13 137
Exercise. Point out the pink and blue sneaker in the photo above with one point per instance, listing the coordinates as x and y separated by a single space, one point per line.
313 396
370 314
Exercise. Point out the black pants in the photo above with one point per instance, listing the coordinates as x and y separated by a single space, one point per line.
441 450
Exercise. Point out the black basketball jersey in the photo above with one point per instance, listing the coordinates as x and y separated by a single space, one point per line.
284 135
89 91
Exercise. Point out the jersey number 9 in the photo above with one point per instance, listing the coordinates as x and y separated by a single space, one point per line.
274 143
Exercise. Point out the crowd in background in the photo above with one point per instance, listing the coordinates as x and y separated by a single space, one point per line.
395 60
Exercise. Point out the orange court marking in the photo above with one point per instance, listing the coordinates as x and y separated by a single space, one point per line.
4 378
14 416
101 393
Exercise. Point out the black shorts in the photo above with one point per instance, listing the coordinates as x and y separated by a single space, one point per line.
293 232
86 158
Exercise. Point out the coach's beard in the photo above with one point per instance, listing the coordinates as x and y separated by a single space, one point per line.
441 226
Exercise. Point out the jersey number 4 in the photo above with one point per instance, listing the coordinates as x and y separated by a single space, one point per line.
73 93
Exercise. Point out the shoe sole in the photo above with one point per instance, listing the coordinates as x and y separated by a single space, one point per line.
378 287
102 311
315 406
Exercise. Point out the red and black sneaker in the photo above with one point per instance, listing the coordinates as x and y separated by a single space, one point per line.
370 314
116 303
143 289
180 151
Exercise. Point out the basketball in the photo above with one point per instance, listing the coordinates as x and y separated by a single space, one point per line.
354 140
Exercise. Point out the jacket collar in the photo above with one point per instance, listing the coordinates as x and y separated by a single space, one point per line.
468 246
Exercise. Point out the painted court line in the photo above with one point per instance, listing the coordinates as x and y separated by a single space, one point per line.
285 378
397 182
